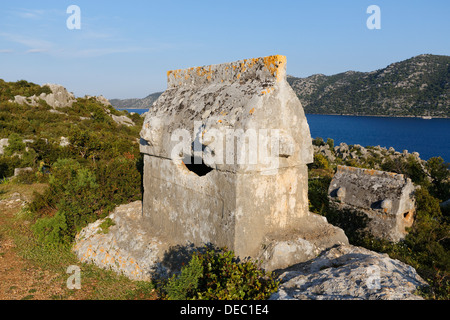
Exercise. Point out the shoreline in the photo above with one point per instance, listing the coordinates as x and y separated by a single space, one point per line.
379 116
335 114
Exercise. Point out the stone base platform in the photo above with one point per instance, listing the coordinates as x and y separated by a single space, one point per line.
126 247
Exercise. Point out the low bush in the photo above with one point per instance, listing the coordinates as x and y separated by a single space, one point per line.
219 275
82 195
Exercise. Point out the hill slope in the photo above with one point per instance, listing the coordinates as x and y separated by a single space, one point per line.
415 87
144 103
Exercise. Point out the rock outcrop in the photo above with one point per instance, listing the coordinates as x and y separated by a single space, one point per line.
375 156
4 143
350 273
59 98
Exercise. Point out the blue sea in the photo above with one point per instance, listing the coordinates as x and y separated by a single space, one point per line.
430 138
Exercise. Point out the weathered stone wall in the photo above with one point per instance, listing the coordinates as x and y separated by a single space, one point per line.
386 198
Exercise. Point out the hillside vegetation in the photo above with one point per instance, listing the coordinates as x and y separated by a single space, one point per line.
90 162
85 164
419 86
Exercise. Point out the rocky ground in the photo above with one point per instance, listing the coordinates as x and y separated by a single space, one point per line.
360 156
343 272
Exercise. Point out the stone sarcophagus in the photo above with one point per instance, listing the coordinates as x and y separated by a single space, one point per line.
226 149
386 198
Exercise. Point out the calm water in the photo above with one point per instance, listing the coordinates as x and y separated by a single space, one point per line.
140 111
430 138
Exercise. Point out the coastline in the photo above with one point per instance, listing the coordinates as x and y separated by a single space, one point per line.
342 114
378 116
335 114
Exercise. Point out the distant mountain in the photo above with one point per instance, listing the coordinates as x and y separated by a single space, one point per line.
144 103
419 86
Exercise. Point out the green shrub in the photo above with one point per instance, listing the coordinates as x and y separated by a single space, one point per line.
318 195
105 225
219 275
83 194
24 88
330 143
318 142
320 162
15 145
185 285
440 174
26 177
52 231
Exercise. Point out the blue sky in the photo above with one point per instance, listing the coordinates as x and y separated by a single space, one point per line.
125 48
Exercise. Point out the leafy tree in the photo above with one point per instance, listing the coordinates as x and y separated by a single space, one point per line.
318 142
330 143
440 174
85 143
320 162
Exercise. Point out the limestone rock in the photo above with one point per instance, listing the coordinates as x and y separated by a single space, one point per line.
18 171
301 244
3 144
346 272
64 142
123 120
125 247
445 204
100 99
59 98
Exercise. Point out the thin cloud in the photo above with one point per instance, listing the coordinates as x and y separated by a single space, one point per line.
36 51
31 14
6 51
30 42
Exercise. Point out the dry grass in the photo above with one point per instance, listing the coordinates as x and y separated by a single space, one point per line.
29 270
